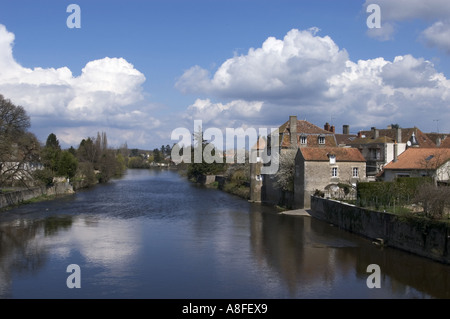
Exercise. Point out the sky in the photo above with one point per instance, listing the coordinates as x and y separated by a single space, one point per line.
139 70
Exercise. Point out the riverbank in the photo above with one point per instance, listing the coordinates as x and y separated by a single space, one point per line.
27 195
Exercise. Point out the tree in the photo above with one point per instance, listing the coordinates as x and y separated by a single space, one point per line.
157 156
434 199
285 175
67 164
195 170
19 149
51 153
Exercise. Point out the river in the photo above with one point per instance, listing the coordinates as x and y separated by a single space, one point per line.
154 235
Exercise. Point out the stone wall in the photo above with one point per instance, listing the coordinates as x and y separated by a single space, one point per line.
427 240
17 197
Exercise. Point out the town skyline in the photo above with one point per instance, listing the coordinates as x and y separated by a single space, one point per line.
140 70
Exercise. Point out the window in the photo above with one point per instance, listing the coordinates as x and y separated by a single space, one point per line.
303 140
332 159
321 139
334 172
355 172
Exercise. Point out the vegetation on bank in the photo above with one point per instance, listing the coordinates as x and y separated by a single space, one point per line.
25 162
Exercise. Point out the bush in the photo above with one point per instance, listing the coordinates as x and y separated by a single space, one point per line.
44 176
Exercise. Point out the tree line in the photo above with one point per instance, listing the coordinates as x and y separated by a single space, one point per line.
24 161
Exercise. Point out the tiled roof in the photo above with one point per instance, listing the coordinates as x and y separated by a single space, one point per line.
445 143
303 127
343 154
420 158
422 138
307 128
344 139
369 140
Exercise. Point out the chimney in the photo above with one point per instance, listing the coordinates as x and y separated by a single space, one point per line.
332 129
345 129
398 134
293 130
326 127
395 152
375 133
438 141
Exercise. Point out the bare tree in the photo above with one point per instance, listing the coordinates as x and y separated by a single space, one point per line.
433 199
284 178
19 149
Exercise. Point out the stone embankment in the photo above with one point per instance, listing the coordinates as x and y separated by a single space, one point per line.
422 237
17 197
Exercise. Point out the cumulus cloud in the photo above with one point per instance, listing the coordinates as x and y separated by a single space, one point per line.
281 69
432 11
308 75
108 93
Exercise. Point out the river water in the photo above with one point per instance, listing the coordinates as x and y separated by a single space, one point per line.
154 235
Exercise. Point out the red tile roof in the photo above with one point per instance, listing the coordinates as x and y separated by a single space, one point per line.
420 158
343 154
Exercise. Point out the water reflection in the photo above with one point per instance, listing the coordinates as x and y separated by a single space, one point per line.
313 258
154 235
21 250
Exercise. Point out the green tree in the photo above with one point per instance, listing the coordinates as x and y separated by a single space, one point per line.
67 164
195 170
157 157
51 153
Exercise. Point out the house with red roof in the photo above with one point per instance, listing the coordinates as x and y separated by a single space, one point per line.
417 162
324 169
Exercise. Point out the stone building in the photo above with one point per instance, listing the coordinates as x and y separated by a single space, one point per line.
324 169
293 134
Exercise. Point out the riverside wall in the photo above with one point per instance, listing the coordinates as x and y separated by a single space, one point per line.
426 239
20 196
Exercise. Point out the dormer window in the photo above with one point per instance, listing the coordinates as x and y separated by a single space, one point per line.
321 140
303 140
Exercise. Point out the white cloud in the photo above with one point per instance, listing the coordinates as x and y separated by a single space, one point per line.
309 76
280 69
438 35
432 11
108 93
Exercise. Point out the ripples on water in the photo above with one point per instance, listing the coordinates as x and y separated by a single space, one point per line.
152 234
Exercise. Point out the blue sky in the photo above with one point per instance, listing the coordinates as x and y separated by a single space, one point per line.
138 70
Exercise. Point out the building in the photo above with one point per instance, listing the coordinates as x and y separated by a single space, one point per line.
293 134
419 162
324 169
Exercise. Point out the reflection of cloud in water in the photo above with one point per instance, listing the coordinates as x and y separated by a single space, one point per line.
105 243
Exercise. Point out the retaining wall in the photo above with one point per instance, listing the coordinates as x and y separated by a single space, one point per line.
425 239
17 197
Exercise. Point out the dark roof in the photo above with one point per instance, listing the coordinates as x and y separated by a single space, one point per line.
406 133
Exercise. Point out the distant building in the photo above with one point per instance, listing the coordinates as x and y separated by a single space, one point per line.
381 146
